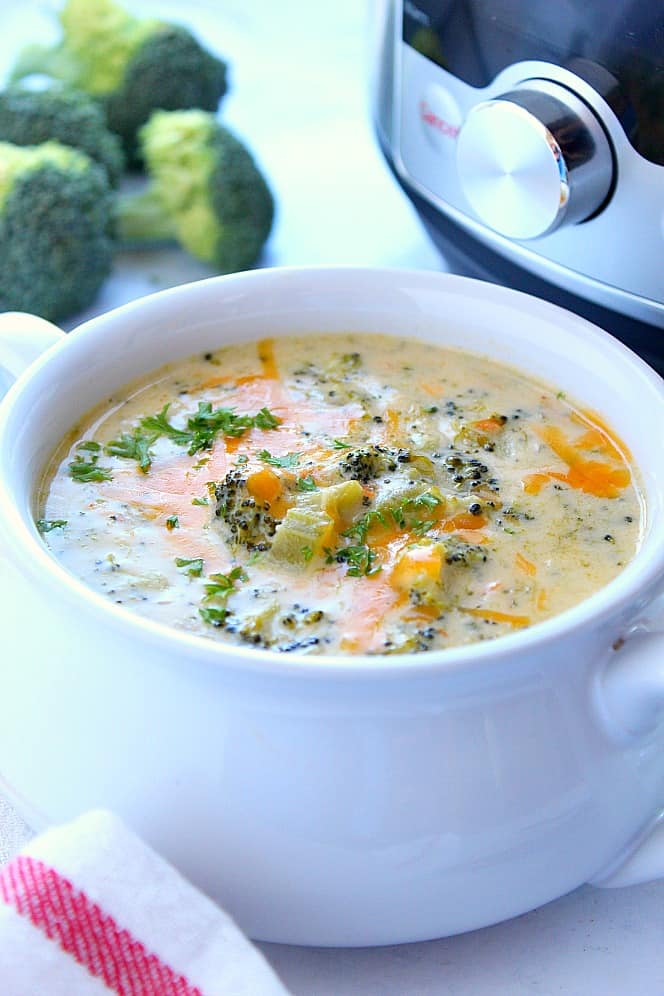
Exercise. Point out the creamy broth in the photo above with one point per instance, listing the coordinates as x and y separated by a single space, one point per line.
342 494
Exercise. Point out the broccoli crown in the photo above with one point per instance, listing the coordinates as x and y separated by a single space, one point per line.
55 245
170 71
131 65
370 462
248 521
28 117
205 186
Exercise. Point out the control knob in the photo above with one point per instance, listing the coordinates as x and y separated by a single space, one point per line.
534 159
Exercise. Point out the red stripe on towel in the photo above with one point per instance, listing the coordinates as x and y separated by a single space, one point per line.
84 931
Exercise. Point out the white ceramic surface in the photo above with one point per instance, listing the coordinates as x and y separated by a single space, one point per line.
340 802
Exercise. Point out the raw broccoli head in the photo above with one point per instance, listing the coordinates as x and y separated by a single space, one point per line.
28 117
131 65
55 244
205 191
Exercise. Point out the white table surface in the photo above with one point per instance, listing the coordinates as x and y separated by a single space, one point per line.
299 98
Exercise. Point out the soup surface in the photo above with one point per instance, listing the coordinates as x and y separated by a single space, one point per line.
342 494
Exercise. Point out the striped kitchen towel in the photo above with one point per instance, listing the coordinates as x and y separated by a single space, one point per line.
88 908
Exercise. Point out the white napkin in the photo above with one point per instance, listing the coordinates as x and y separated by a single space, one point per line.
88 908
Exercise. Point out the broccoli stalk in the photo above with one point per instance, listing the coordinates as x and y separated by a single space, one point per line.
205 191
28 117
130 65
55 217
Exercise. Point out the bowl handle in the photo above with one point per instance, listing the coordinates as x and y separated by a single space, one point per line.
644 863
630 690
23 338
630 699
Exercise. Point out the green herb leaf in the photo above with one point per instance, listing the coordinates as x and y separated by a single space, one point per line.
172 522
83 471
361 560
133 446
213 616
264 419
360 528
306 483
288 460
218 589
338 444
158 425
205 424
200 501
194 565
224 583
427 498
45 525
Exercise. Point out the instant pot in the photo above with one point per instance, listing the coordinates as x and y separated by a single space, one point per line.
530 137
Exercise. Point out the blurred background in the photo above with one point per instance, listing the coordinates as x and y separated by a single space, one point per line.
299 98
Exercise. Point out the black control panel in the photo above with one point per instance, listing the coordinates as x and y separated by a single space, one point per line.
616 45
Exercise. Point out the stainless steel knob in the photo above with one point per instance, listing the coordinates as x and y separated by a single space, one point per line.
533 159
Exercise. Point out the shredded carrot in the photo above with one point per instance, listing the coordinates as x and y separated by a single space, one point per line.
264 484
213 382
417 565
470 536
432 389
498 617
533 483
542 599
266 356
596 478
525 565
490 424
465 520
592 476
392 421
595 421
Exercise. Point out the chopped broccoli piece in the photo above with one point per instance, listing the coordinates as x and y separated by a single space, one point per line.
205 191
55 243
457 551
247 519
130 65
370 462
29 117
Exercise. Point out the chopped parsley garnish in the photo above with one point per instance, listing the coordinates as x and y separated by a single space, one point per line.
361 560
288 460
218 589
307 553
45 525
200 501
83 470
222 584
133 445
360 528
215 617
172 522
194 565
306 483
198 433
338 444
403 517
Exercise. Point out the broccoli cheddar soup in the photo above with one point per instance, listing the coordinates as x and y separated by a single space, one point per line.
342 494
